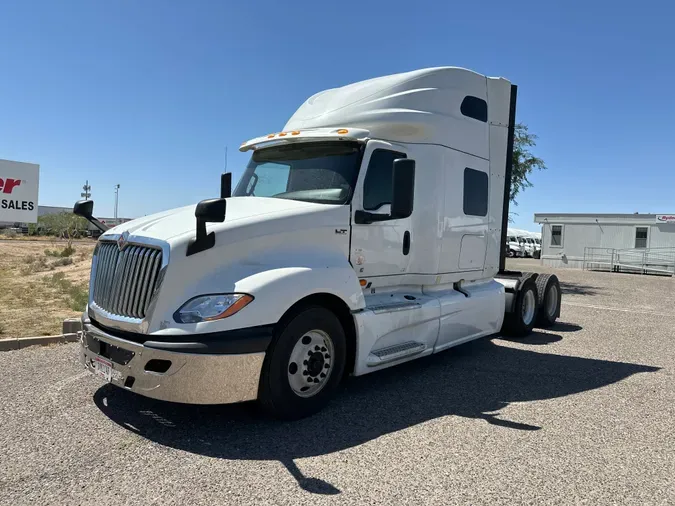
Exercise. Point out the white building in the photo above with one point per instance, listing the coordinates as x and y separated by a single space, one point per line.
564 237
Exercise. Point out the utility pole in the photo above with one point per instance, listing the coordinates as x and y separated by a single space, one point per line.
87 190
117 192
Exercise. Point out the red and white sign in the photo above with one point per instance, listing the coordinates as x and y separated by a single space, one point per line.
19 191
665 218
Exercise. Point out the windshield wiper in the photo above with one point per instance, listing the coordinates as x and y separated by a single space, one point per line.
255 182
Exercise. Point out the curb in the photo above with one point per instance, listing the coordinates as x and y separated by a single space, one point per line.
19 343
72 328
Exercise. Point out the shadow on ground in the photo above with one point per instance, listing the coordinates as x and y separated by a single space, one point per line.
475 380
535 338
542 338
578 289
565 327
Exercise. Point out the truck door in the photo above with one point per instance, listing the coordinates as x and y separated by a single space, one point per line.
380 250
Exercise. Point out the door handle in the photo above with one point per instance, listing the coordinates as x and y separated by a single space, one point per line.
406 243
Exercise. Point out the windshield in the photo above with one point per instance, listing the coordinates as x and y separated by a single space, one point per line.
321 172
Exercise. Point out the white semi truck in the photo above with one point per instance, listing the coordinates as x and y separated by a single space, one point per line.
370 231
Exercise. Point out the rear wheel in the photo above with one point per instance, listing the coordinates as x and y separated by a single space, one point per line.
303 365
548 289
521 321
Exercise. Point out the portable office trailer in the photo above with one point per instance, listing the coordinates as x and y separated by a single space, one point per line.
565 236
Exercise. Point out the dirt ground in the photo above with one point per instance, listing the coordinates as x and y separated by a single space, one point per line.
39 287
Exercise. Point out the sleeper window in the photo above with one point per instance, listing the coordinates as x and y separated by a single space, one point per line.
475 192
474 107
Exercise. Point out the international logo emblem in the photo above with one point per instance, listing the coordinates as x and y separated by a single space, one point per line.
123 240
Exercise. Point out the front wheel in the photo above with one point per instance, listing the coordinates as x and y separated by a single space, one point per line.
303 365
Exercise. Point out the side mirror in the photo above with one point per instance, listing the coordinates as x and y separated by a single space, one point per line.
84 208
211 211
226 185
403 188
207 211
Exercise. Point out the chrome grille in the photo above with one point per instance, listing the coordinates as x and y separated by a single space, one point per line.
125 280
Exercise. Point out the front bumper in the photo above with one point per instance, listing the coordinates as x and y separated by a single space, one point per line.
192 378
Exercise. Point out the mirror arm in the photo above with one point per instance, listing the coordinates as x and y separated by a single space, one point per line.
84 209
207 211
102 227
202 241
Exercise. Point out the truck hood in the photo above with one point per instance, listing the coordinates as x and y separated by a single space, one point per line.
240 211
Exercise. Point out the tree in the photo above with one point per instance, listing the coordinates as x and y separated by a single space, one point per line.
66 225
524 162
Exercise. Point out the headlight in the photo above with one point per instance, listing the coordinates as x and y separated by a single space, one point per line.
212 307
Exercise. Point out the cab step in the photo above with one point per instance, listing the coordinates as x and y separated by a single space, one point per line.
396 352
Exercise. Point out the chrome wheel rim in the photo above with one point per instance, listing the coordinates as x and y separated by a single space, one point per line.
552 301
528 307
311 363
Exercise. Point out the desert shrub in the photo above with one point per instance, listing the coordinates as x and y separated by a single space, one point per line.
77 295
62 262
65 252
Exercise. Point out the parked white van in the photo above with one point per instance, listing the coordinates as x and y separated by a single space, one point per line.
530 246
515 247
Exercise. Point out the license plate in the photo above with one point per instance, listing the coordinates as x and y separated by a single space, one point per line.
103 368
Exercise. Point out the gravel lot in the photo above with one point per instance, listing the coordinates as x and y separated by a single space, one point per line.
583 413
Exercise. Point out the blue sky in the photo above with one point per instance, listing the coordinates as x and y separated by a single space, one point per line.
148 93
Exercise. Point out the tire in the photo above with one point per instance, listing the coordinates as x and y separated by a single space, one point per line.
520 323
550 296
279 395
537 255
527 275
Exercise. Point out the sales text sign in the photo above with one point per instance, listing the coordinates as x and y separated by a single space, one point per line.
19 184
